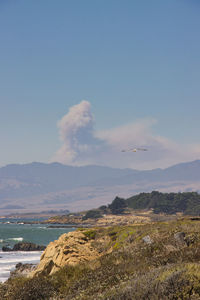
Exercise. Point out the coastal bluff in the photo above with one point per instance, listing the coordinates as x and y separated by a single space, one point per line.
84 244
70 249
157 260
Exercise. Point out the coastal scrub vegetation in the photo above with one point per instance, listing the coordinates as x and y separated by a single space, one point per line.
169 203
151 261
117 207
92 214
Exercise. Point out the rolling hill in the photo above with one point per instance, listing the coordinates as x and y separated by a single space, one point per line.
38 186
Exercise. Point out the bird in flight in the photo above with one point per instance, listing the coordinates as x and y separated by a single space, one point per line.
134 149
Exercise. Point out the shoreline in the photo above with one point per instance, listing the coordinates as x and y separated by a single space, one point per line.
9 260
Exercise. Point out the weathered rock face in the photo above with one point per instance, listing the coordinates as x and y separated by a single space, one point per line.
70 249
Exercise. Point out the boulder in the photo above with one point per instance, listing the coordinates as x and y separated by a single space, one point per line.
22 270
6 248
24 246
147 239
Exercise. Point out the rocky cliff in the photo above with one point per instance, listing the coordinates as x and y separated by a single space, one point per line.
70 249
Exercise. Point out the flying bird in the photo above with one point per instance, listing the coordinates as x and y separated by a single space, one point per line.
134 149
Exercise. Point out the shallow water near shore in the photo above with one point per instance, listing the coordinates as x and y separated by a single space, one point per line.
13 231
8 261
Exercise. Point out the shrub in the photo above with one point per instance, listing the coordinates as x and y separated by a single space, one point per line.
90 234
117 206
37 288
92 214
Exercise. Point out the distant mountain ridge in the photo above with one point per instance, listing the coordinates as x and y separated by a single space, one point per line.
42 178
39 185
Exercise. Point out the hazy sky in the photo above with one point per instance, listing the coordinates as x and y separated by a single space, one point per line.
136 63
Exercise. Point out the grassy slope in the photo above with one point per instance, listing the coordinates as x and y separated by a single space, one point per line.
167 268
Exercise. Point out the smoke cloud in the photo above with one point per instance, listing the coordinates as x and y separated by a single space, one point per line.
83 145
76 134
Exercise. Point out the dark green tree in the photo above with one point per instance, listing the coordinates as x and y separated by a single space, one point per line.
117 206
92 214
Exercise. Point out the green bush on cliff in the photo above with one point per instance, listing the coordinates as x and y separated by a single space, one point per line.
90 234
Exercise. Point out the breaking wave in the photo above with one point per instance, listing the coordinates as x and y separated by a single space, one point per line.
19 239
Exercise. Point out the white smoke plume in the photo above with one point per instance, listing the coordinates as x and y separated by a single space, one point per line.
76 134
82 145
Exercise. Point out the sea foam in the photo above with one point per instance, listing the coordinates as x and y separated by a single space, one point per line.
8 261
17 239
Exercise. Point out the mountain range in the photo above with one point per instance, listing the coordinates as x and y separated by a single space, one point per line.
38 186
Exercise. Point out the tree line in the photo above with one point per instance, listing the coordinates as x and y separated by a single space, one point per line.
170 203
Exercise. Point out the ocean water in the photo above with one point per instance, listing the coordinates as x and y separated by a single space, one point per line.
12 233
8 261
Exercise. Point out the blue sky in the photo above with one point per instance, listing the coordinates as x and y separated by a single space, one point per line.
135 62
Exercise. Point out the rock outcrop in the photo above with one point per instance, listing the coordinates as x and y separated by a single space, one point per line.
22 270
24 246
70 249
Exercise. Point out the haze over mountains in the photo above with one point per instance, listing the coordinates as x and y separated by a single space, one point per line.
39 186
